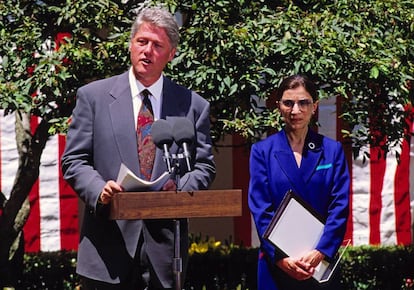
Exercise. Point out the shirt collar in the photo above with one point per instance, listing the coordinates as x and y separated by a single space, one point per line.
137 87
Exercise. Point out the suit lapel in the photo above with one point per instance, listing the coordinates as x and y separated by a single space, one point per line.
284 156
311 155
299 177
176 100
175 103
122 119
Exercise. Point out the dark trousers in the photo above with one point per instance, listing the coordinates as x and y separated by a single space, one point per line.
141 277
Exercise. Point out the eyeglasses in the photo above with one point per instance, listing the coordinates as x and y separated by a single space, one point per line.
302 104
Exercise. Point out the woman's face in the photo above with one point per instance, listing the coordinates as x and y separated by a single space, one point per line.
297 107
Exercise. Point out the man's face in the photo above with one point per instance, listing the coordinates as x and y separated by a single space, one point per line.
150 51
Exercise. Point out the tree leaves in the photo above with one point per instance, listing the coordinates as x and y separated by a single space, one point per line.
361 51
230 51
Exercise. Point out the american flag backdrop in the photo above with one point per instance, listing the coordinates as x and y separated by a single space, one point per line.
53 221
382 194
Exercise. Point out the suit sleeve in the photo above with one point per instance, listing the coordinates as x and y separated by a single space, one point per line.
77 159
260 200
338 208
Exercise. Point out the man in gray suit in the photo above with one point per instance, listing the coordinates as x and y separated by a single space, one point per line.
132 254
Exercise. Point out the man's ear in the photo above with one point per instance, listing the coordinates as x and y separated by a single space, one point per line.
172 54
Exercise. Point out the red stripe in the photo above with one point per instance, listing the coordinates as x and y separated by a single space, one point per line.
1 169
402 197
32 226
377 167
242 225
1 157
69 225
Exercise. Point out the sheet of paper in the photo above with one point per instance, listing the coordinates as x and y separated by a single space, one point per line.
130 182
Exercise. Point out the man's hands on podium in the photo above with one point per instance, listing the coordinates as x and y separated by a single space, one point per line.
111 188
302 268
108 192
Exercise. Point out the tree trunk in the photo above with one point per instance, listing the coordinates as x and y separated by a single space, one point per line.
16 209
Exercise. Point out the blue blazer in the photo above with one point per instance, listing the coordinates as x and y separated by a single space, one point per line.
322 180
101 136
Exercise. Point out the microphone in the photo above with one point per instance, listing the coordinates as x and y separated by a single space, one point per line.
163 138
183 132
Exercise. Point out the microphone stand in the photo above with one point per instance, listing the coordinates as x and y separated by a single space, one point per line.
177 260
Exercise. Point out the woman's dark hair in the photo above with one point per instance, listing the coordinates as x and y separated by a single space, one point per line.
295 81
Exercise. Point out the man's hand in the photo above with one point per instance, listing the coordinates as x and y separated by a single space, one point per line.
109 190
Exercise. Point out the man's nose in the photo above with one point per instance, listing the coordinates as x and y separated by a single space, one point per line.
148 47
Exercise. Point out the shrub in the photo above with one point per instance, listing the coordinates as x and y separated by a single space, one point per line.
225 266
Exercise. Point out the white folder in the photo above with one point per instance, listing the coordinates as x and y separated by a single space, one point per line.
296 229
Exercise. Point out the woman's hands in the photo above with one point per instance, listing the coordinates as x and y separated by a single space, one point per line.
302 268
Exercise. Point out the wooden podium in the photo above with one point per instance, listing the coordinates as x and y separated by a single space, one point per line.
175 205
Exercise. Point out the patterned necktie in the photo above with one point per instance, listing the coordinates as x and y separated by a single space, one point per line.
146 147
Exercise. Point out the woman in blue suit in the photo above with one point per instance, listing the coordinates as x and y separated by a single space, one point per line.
313 166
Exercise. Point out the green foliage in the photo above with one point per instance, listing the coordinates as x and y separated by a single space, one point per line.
223 56
49 270
362 51
362 267
51 48
231 50
378 267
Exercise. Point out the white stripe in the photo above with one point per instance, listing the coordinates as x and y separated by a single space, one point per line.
360 200
9 154
49 197
387 223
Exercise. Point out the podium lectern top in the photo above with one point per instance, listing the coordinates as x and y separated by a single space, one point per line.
172 204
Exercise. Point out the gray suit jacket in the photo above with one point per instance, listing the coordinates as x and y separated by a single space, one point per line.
102 136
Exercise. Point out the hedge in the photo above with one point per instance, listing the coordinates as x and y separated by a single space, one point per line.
233 267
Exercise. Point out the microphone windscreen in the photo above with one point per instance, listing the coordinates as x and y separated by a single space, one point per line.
161 133
183 131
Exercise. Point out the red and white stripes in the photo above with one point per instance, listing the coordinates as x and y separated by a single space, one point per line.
381 209
53 221
381 205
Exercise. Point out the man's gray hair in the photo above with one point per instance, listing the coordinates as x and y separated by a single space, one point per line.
159 17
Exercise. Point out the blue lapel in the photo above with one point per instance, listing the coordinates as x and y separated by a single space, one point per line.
312 153
299 177
287 163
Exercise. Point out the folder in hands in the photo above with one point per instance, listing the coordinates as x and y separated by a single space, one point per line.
296 229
